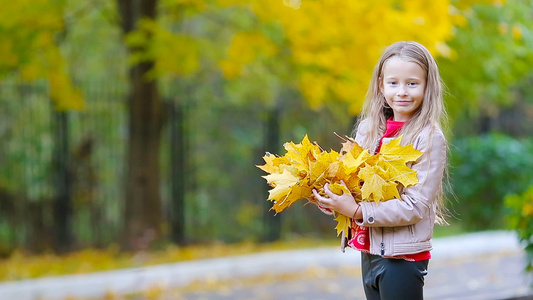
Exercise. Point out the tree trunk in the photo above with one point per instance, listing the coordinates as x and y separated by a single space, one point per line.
272 223
178 173
143 208
62 207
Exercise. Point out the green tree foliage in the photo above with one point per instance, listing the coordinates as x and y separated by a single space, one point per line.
489 55
483 171
30 35
92 45
520 218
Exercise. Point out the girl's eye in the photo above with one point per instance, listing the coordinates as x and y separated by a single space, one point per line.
412 83
392 82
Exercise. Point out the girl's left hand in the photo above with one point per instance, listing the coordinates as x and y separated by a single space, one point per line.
344 204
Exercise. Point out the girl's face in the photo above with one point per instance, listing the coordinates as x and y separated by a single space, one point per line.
403 84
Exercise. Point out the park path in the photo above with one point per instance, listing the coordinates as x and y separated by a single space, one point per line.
486 277
461 268
484 266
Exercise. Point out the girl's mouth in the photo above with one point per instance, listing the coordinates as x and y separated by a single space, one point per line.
402 102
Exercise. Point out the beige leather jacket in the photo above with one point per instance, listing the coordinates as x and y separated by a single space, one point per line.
405 226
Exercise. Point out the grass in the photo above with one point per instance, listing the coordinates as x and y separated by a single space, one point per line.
448 230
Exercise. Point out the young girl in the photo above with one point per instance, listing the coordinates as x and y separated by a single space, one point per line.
394 236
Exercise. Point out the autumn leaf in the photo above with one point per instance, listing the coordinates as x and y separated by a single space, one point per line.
399 172
305 166
393 151
373 183
352 162
323 166
297 192
281 183
343 223
338 188
294 175
348 145
269 166
354 184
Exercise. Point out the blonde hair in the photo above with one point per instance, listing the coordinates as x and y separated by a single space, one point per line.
431 113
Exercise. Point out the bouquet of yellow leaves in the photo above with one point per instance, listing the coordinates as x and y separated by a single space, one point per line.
368 177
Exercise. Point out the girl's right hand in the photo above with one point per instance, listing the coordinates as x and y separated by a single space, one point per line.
344 204
313 200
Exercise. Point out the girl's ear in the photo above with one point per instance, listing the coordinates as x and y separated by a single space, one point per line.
380 85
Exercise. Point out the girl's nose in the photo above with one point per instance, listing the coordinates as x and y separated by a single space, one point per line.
402 91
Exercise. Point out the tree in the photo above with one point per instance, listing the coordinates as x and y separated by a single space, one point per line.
490 56
335 44
143 209
30 37
31 34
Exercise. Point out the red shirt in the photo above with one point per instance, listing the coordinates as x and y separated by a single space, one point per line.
360 238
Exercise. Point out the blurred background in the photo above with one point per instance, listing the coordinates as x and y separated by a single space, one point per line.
138 124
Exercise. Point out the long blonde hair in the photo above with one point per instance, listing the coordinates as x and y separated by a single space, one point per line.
431 113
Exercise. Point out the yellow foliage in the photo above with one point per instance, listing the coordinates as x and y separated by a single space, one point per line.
244 49
335 44
22 266
153 292
517 32
66 96
230 69
527 210
293 3
367 177
173 54
343 223
28 47
110 295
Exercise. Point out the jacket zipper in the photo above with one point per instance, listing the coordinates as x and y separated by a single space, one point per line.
382 245
411 230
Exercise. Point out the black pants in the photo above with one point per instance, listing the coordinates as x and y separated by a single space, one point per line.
393 279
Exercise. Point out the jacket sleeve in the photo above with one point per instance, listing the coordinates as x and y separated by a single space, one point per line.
418 201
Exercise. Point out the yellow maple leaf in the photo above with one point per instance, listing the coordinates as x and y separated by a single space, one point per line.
394 151
323 165
269 166
281 183
305 166
303 151
398 171
348 145
338 188
343 223
352 162
273 163
294 175
334 169
373 186
295 193
390 191
354 184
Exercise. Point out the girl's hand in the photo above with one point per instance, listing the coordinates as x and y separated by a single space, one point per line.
344 204
313 200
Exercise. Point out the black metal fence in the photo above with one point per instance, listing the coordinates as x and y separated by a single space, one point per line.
61 173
